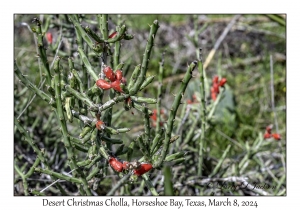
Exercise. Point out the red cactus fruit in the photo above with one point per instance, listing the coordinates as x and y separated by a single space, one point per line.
216 88
101 83
112 35
119 74
144 168
109 73
276 136
49 37
125 165
115 164
116 86
222 82
216 79
99 125
267 135
269 128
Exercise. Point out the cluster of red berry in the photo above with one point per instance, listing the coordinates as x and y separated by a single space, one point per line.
116 79
137 167
214 90
268 134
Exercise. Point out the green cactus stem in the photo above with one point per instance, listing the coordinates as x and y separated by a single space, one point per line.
94 90
160 143
147 81
59 175
140 108
68 109
94 172
33 87
130 150
82 97
104 25
42 50
111 130
93 162
79 82
218 167
119 150
80 147
92 34
146 57
159 93
119 35
134 76
85 131
144 100
203 114
36 193
120 65
111 102
119 184
61 117
149 185
191 131
175 156
86 120
81 33
175 105
87 64
110 140
27 175
30 141
168 185
157 140
128 36
178 161
147 129
116 56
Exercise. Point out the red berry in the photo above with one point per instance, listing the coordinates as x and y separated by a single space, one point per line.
99 125
115 164
144 168
154 115
276 136
216 79
216 88
125 165
101 83
269 128
49 37
267 135
109 73
222 82
112 35
213 94
119 74
116 86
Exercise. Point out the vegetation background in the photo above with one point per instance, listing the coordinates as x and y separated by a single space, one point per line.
251 56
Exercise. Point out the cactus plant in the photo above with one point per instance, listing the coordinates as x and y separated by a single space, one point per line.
97 127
